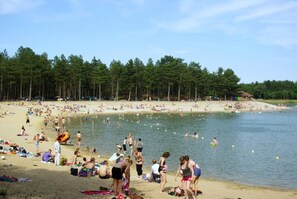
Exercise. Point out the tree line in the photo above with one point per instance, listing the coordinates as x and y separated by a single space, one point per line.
27 75
272 89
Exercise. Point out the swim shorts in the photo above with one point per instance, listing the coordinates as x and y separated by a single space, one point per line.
117 173
197 171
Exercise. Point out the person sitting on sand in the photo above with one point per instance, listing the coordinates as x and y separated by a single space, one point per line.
83 171
47 156
155 171
104 171
42 136
74 159
23 132
91 167
85 161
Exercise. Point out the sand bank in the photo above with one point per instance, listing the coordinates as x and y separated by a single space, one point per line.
49 181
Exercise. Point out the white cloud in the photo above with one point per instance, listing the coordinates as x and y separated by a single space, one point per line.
16 6
202 15
248 18
285 36
269 10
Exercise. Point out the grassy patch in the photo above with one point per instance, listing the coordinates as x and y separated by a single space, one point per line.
286 102
3 193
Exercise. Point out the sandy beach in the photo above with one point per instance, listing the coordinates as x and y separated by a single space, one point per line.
49 181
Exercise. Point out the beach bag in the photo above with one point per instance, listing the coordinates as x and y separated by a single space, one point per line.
74 171
63 161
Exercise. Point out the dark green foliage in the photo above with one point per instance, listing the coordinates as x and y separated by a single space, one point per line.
272 89
27 75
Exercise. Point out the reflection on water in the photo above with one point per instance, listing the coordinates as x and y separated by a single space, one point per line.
254 148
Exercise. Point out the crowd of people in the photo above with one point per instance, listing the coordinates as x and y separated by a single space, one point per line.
119 165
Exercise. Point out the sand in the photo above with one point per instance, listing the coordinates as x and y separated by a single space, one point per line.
49 181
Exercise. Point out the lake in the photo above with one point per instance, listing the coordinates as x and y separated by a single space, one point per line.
255 148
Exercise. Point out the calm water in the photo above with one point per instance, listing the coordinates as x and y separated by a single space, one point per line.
254 148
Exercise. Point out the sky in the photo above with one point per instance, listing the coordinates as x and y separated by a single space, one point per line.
257 39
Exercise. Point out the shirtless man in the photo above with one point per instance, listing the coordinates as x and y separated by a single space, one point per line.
91 167
120 170
104 171
130 142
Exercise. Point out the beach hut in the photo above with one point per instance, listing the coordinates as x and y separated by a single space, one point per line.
245 95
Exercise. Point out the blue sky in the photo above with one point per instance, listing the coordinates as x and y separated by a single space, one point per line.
257 39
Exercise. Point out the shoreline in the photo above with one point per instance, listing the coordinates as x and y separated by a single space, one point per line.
212 188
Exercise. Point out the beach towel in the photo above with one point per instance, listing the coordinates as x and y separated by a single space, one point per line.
6 178
98 192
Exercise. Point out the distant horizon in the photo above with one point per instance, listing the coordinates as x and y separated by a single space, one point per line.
257 39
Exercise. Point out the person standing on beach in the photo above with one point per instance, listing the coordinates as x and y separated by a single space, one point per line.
57 149
119 171
78 136
186 171
163 169
139 145
45 121
139 162
37 140
130 142
27 119
125 145
196 173
56 123
63 122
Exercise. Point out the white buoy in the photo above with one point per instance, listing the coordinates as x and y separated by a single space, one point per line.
277 157
253 151
165 129
233 146
202 138
158 128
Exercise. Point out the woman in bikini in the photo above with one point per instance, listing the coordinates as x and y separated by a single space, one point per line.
186 171
163 169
